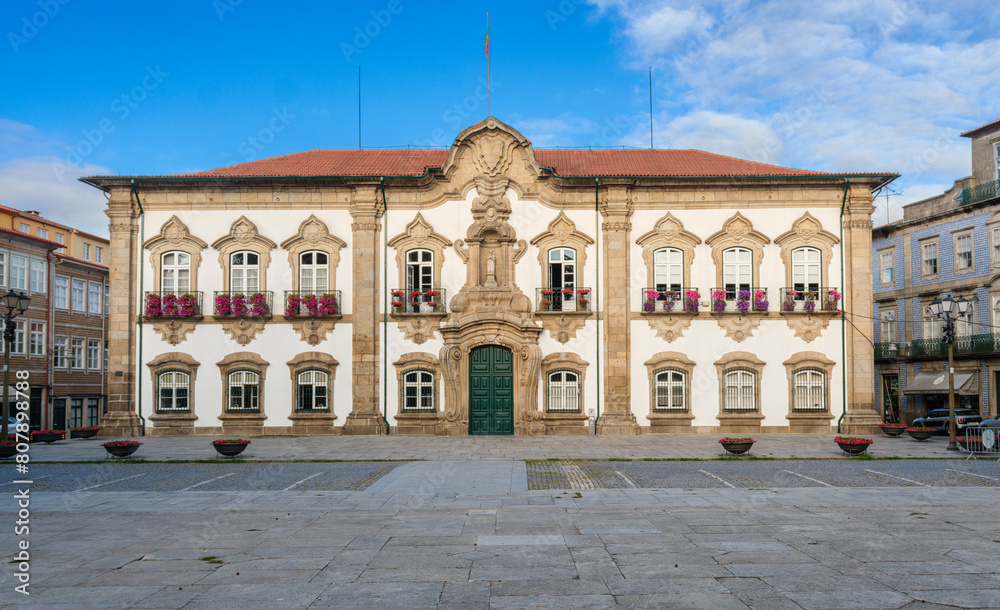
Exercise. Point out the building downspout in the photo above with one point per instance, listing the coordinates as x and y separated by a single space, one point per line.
50 321
597 289
138 363
385 308
843 314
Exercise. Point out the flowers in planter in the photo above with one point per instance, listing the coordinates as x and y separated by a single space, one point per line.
719 301
324 305
831 300
760 301
789 303
415 295
729 439
230 441
691 301
121 444
567 291
170 305
82 428
49 431
545 304
239 304
852 440
810 305
743 301
889 424
920 429
649 303
548 292
431 293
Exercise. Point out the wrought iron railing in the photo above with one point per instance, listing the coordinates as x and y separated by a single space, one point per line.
242 304
171 304
431 300
686 300
977 344
563 299
983 192
886 349
312 304
928 347
824 298
738 301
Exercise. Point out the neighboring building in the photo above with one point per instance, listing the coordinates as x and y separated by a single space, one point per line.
952 245
60 339
489 289
73 242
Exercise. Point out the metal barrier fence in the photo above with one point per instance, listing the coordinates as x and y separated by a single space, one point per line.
980 441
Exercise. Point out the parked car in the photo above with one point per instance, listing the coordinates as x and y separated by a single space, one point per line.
990 423
940 420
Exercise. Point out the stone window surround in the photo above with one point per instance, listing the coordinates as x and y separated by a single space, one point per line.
564 361
808 360
312 361
993 229
419 234
891 251
675 361
926 242
668 232
887 319
738 232
243 236
955 235
418 361
562 233
247 361
807 232
313 235
174 236
739 360
173 361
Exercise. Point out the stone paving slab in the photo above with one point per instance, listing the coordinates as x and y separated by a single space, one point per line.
464 448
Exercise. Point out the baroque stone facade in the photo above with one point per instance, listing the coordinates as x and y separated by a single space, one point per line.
490 289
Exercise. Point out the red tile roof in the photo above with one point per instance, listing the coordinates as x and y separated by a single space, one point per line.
565 162
80 261
31 237
42 219
972 132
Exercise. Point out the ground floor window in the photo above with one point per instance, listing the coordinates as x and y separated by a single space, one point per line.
670 391
75 412
418 391
244 391
564 392
740 390
93 411
312 390
174 387
809 390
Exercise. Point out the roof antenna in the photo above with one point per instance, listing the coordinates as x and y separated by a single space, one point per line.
651 108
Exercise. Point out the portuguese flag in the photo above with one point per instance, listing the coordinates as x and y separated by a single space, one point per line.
487 41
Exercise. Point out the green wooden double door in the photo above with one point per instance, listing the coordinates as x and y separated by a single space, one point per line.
491 390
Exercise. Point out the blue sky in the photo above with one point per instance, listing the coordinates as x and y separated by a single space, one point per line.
159 88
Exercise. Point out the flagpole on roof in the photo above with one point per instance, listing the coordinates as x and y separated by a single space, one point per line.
489 95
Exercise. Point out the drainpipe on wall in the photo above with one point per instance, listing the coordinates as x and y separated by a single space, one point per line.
50 320
138 361
597 289
385 308
843 314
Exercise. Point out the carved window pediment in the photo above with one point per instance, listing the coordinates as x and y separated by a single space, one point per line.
807 231
737 232
668 232
313 234
174 236
562 233
243 235
419 234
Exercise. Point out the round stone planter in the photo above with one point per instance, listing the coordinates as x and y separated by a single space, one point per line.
920 435
48 437
84 433
851 449
123 451
893 431
7 451
230 449
737 448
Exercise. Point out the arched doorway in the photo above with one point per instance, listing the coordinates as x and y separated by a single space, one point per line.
491 390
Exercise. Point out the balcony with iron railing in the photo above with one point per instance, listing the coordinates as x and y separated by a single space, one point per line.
230 304
562 299
686 300
739 301
983 192
430 301
312 304
172 305
809 300
886 349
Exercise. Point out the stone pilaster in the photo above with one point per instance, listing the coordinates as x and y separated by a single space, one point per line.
617 417
121 418
861 417
366 210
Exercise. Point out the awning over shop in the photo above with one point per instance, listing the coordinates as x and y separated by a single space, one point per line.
966 384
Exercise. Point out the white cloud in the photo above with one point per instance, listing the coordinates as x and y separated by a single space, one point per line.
34 184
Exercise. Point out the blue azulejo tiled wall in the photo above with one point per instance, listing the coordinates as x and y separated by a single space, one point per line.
946 250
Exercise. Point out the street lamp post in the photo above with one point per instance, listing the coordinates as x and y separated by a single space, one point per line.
16 303
949 309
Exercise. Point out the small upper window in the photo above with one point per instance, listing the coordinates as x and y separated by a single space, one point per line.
886 267
963 252
86 252
98 254
43 233
929 252
25 228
